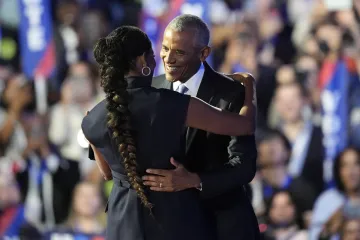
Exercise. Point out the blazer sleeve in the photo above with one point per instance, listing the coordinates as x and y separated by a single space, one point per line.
94 127
240 168
170 100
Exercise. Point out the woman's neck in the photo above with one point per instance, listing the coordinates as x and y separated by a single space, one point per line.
132 73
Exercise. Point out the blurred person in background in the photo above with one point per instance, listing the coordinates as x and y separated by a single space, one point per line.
66 16
92 26
346 171
12 212
350 229
15 99
77 95
44 180
273 156
307 151
302 72
344 223
331 228
242 54
86 215
349 22
241 50
87 70
283 219
306 71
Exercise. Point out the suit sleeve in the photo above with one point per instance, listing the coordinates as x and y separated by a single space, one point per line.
240 168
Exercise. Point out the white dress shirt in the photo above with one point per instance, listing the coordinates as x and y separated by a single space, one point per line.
193 83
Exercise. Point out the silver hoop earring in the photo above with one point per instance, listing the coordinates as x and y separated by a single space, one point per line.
146 71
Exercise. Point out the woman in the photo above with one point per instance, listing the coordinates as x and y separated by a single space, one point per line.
132 107
282 218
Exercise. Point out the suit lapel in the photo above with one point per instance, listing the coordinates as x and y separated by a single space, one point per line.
206 93
167 84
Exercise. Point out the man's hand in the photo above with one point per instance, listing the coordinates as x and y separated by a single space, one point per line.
171 180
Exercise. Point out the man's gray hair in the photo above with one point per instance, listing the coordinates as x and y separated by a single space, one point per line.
191 22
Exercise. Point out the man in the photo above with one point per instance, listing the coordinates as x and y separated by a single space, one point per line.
217 165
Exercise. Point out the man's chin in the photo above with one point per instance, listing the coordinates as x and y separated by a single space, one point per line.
171 78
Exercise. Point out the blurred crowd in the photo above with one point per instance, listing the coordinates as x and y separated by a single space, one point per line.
49 186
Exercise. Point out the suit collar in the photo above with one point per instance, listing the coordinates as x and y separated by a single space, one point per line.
161 82
206 92
208 84
166 84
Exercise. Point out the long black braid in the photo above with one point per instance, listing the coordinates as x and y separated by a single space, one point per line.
115 54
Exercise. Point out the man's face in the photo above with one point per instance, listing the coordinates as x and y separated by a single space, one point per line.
180 55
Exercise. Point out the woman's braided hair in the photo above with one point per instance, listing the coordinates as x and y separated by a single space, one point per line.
115 55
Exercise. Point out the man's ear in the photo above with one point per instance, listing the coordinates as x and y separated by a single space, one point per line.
205 52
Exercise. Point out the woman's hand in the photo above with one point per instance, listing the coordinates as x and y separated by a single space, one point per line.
245 79
248 81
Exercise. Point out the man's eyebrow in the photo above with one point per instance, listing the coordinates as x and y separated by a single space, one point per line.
180 50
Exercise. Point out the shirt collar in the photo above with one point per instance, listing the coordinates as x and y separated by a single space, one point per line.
193 83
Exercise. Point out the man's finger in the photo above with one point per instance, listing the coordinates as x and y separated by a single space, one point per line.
175 163
163 189
151 178
151 184
160 172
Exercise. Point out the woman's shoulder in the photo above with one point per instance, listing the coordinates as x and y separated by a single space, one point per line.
160 97
96 114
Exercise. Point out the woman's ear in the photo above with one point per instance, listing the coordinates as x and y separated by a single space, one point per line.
139 62
142 60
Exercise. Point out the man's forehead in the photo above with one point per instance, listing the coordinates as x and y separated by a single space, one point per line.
180 37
